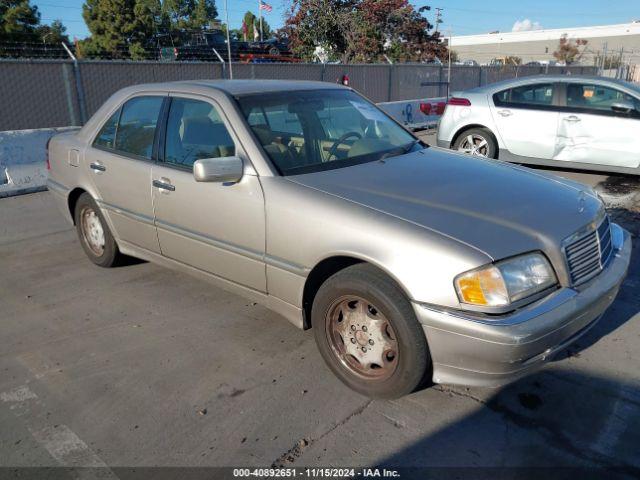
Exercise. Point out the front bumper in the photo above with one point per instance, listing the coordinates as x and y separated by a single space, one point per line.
469 350
443 143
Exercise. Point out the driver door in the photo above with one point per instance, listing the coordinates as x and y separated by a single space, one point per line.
527 119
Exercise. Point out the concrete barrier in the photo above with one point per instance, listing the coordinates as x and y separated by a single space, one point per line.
22 160
420 114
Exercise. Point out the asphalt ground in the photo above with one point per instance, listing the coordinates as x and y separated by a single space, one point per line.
141 366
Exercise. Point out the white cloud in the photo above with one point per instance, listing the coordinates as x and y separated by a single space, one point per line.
526 25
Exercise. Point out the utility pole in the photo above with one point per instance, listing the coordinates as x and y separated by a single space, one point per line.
449 69
260 14
604 57
438 17
226 7
619 73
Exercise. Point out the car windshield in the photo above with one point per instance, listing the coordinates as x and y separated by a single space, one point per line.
313 130
631 86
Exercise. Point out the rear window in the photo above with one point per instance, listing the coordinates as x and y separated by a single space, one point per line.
137 126
539 94
107 136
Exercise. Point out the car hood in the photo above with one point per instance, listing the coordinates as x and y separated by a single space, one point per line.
499 209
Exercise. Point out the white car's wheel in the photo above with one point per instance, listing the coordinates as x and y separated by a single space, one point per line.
478 142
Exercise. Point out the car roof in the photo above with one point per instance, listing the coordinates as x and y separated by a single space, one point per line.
550 78
239 87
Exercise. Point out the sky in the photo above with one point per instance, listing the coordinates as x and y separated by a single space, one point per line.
460 17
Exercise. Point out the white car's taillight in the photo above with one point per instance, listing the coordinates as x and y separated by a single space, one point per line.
459 102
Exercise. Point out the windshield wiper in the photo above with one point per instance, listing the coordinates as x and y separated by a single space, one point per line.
407 148
399 151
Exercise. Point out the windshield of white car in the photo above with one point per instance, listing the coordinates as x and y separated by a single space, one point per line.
313 130
631 86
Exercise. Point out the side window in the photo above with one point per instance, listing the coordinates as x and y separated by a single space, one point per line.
596 97
195 130
137 126
539 94
107 136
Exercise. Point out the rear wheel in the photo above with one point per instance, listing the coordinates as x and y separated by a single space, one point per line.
367 333
477 141
94 234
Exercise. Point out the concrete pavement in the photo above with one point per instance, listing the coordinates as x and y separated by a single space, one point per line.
141 366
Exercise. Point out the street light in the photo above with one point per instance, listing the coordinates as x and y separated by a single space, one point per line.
44 39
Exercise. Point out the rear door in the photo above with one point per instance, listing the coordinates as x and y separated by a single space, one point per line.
215 227
592 131
527 119
119 161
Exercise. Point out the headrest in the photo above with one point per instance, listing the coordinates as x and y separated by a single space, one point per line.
264 134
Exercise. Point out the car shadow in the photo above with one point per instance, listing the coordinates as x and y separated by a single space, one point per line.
553 424
127 261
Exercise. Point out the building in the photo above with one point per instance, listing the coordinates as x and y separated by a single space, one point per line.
613 41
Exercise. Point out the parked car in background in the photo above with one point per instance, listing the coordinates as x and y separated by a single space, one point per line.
272 46
406 261
590 123
208 45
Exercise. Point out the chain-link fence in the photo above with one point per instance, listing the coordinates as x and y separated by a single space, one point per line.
58 93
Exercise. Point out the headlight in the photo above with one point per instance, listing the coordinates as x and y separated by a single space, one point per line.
503 283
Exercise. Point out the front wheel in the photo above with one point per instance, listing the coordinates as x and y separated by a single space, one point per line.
367 333
479 142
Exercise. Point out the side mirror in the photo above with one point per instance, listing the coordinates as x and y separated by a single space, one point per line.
222 169
623 107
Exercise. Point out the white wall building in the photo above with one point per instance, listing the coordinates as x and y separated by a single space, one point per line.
539 45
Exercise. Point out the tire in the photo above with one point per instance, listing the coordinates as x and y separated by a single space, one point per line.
94 234
362 296
484 143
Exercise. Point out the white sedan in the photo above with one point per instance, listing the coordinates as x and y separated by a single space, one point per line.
590 123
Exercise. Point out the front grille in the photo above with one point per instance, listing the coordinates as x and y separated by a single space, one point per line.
589 254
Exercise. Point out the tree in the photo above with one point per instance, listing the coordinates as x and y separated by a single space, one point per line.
178 12
203 14
250 20
362 31
54 33
18 21
512 60
119 28
22 35
190 14
318 23
569 51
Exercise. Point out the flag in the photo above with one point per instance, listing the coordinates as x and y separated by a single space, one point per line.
245 30
265 6
256 35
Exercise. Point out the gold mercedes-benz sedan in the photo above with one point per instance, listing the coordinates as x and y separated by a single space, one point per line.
408 262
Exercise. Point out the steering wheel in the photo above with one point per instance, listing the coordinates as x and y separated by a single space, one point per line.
334 148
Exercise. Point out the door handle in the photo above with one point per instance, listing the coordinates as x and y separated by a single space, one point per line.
97 167
505 113
572 118
164 185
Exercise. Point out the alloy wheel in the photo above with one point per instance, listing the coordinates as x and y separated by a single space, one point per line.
474 144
